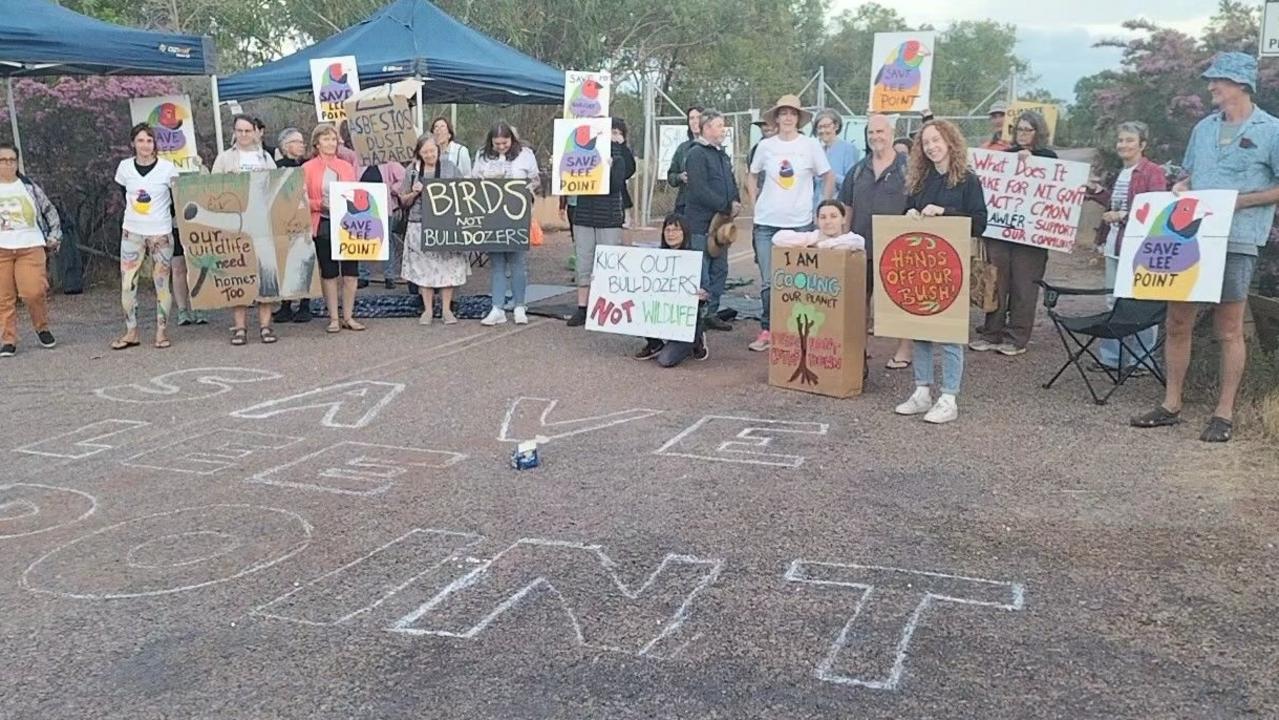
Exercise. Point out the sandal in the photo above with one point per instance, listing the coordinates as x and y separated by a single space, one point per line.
352 325
895 364
238 336
163 344
333 328
1159 417
122 344
1218 430
267 335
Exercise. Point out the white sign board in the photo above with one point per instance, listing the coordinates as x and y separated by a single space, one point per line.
1033 200
333 81
1269 31
901 71
587 94
644 292
581 162
1174 246
669 138
361 225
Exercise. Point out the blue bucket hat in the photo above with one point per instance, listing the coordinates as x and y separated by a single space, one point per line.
1237 67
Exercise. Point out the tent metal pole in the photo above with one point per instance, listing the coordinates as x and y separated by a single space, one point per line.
421 116
453 114
13 124
217 111
651 171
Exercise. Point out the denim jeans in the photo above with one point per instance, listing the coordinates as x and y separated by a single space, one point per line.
762 238
714 273
1110 349
517 261
391 267
952 365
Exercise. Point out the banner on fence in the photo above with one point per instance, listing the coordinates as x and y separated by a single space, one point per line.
1174 246
1032 200
669 138
360 223
921 277
333 81
476 215
173 123
247 237
645 292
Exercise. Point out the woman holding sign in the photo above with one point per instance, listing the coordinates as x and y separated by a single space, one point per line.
939 182
669 353
503 156
147 180
319 172
1021 267
429 270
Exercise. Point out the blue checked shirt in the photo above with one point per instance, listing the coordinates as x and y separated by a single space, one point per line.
1248 163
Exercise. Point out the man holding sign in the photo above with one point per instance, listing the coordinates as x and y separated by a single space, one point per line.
1236 148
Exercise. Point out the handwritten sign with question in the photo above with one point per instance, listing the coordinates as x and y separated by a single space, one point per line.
1032 201
474 215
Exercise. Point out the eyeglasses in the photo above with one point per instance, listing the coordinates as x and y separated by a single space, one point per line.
9 161
1023 128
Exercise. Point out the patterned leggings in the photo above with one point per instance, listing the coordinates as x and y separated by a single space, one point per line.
133 250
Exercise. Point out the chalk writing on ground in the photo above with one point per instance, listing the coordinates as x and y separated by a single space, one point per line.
357 468
85 441
30 509
209 452
352 404
710 439
184 385
519 424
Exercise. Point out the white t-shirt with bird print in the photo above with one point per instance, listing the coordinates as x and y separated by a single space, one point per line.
147 198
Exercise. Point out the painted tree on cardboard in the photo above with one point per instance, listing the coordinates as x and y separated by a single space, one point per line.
807 320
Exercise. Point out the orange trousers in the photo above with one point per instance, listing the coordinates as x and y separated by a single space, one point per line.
22 275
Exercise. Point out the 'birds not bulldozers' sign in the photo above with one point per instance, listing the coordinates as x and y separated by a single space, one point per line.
818 319
1174 246
901 71
922 277
247 237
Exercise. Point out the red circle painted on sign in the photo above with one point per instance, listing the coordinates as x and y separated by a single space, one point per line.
921 273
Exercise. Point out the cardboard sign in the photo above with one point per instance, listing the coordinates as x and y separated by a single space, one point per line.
587 94
173 123
921 277
247 237
668 141
381 123
360 224
1033 201
333 81
476 215
583 151
818 319
645 292
901 71
1049 112
1174 246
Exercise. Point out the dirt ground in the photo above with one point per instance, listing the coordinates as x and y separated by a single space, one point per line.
329 528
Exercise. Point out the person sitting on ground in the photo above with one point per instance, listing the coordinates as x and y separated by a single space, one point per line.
29 227
939 182
669 353
598 219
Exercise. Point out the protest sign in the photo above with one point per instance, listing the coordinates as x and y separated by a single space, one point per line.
1174 246
381 123
818 319
921 272
333 81
247 237
669 138
587 94
901 71
173 123
1032 200
645 292
583 151
476 215
1046 110
360 224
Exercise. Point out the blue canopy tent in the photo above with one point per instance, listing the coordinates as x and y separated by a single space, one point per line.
38 37
414 39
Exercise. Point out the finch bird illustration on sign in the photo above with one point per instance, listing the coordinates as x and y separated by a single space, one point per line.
166 121
362 222
1170 254
585 101
581 157
335 80
901 80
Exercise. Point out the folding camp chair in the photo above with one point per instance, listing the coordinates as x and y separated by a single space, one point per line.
1121 322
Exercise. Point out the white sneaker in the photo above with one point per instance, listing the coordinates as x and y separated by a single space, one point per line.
918 403
980 345
521 315
1010 350
496 316
944 411
425 318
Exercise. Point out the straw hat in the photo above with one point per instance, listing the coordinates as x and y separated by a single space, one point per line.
723 233
788 101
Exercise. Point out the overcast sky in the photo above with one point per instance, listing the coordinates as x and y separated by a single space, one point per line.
1057 37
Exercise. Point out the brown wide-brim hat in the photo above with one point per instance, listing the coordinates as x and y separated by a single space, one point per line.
722 233
788 101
